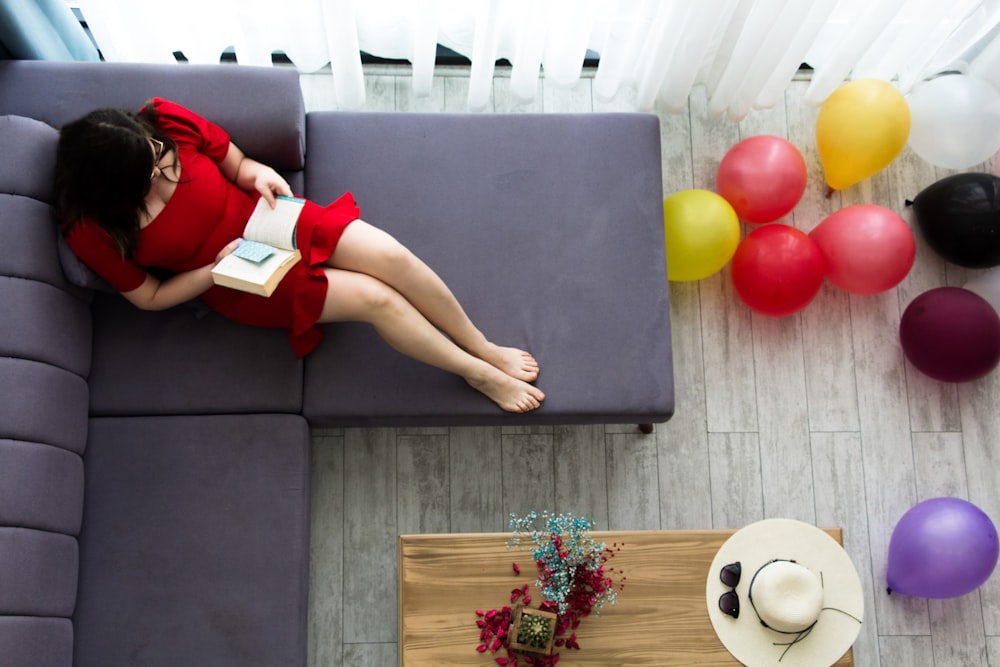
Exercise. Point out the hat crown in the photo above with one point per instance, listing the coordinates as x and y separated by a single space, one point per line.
787 597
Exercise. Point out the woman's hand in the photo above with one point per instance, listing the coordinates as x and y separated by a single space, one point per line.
269 183
233 245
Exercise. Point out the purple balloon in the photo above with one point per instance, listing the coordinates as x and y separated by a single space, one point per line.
951 334
942 548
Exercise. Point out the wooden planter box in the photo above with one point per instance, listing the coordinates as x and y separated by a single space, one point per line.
526 618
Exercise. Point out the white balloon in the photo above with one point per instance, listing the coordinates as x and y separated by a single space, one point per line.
955 121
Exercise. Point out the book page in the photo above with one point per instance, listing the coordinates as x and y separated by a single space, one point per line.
275 227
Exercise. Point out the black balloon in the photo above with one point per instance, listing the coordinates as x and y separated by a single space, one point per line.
960 218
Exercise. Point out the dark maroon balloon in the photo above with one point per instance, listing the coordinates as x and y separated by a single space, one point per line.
951 334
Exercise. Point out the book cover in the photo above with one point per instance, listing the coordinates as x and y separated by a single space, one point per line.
267 250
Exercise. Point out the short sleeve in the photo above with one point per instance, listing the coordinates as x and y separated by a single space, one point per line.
186 127
96 249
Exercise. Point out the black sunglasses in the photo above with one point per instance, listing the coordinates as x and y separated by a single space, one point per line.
729 602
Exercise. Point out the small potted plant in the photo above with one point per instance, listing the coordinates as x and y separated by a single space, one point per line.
533 630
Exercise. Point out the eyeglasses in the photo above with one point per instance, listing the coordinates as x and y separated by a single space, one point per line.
729 602
159 146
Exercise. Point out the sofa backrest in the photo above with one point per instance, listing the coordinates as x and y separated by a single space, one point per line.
262 108
45 354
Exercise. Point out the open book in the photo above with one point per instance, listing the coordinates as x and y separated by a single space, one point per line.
267 250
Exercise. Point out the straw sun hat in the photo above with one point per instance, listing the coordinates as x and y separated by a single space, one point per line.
797 595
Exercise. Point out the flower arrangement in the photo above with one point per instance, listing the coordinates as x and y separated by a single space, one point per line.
575 580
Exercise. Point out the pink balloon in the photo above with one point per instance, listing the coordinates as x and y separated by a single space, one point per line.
762 178
866 249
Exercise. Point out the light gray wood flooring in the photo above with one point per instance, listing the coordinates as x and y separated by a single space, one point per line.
816 417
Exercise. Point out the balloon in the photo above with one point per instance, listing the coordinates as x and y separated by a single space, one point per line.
960 218
763 177
702 232
867 249
777 270
955 121
860 130
942 548
951 334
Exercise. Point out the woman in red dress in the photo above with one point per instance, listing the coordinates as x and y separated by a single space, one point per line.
167 189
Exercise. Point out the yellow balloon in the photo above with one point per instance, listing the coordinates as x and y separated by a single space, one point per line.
702 232
861 128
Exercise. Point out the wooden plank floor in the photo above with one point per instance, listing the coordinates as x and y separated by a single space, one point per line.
816 417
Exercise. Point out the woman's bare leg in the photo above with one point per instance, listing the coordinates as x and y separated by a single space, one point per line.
358 297
367 249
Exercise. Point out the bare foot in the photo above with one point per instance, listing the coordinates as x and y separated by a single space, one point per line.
509 393
514 362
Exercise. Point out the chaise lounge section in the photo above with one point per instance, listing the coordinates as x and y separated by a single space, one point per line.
154 467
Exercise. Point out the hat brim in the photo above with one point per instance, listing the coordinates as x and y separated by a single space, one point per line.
755 645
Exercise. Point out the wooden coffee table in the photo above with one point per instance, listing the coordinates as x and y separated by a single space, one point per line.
661 617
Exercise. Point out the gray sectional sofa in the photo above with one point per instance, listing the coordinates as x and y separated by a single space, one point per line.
154 467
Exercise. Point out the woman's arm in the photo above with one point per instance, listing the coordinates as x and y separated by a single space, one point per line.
155 294
251 175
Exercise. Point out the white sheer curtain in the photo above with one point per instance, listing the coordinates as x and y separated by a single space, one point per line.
744 52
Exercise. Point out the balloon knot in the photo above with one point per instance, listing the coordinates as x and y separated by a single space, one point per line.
889 591
909 203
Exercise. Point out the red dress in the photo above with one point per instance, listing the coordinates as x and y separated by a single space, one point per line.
206 212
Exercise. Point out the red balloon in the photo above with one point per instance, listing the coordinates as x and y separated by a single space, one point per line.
951 334
762 178
867 249
777 270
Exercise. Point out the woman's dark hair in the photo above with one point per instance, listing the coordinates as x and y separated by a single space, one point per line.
103 167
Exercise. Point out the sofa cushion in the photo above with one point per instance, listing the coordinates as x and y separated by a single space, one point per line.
28 147
42 403
41 486
26 190
32 243
185 361
548 228
38 572
34 641
195 542
44 323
